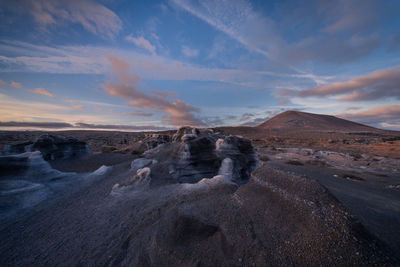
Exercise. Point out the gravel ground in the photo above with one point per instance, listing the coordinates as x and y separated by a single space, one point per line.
275 219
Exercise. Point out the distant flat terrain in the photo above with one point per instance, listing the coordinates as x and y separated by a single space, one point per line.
314 197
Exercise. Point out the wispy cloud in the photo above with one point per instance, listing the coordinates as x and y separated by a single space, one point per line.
246 116
79 125
12 109
344 28
237 19
16 84
42 91
92 60
140 114
77 107
383 116
2 82
373 86
255 122
94 17
53 125
179 112
141 42
189 52
121 127
133 114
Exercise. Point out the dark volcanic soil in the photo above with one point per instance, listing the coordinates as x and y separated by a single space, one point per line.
312 201
275 219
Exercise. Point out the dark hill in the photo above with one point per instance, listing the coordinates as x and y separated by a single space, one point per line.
296 120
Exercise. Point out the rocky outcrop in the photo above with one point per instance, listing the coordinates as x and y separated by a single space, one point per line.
52 147
153 140
195 154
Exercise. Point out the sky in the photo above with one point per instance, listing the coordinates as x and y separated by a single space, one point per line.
155 65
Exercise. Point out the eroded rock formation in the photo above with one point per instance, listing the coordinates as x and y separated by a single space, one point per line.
195 154
52 147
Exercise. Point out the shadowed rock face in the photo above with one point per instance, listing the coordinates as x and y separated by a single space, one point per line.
52 147
195 154
156 139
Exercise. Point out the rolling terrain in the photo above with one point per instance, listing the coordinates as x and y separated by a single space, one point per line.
300 189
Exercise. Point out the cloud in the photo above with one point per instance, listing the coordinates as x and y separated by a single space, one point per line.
77 107
231 117
379 116
2 82
179 112
80 125
92 16
352 108
92 60
41 91
255 122
246 116
16 85
12 109
234 18
283 101
373 86
35 124
140 114
189 52
121 127
336 31
133 114
141 42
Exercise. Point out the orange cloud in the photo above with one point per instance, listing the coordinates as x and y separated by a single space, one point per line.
179 112
375 85
380 116
16 85
77 107
41 91
2 82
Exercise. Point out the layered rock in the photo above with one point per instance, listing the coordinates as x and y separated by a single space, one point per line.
195 154
52 147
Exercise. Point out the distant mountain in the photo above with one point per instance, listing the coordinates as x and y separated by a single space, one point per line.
296 120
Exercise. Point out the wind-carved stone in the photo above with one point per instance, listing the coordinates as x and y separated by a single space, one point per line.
195 154
52 147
